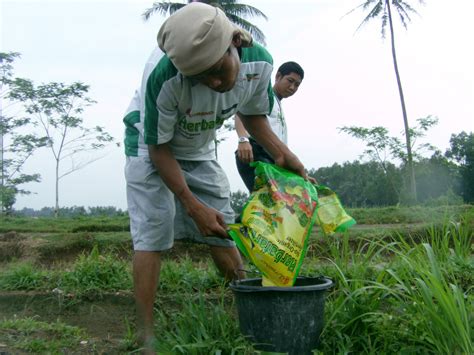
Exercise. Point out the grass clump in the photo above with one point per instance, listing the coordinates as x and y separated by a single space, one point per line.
95 274
446 322
186 276
23 277
89 276
411 300
201 326
73 243
38 337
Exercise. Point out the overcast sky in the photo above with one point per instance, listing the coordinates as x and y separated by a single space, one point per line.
349 77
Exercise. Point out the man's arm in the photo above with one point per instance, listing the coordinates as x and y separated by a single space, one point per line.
261 131
208 220
244 149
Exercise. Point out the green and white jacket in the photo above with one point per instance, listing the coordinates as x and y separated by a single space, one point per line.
170 108
277 122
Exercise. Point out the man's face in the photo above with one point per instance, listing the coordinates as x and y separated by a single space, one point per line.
286 85
221 77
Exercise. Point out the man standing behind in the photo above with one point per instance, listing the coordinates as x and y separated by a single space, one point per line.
198 77
287 81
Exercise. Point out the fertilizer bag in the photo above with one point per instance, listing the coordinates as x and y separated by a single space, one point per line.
330 215
276 223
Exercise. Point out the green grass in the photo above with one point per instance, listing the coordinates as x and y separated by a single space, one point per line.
95 274
379 215
202 325
38 337
417 300
23 277
89 276
397 290
63 224
414 214
51 245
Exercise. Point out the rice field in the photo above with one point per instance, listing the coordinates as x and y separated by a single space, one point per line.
403 287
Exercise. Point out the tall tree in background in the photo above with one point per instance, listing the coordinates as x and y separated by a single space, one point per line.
57 109
361 184
382 9
381 146
462 152
438 180
234 11
16 145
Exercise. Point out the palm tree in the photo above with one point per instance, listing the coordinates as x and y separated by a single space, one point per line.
231 8
383 9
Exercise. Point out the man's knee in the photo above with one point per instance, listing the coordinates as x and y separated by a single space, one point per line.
228 261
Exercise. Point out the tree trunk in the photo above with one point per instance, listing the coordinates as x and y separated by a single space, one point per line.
56 206
2 186
2 199
404 111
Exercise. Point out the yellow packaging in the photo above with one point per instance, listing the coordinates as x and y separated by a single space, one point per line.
276 224
331 216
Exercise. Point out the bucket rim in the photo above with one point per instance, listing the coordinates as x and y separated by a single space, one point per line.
237 285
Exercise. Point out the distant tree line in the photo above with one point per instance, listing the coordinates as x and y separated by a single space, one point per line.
443 179
74 211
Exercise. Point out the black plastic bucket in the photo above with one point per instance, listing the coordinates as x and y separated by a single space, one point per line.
282 319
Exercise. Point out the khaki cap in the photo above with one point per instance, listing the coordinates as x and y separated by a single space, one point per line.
197 36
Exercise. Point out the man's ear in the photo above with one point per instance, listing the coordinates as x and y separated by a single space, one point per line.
278 76
237 39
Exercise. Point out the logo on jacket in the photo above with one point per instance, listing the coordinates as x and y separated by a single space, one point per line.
190 114
254 76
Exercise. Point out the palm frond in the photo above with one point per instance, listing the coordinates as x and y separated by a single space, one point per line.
234 11
366 4
363 6
403 10
379 9
256 32
406 6
162 8
402 13
242 10
374 13
384 23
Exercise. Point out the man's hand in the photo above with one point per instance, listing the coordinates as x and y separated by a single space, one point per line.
209 221
291 162
245 152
